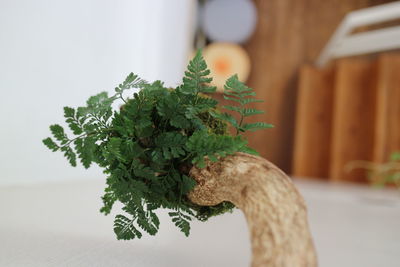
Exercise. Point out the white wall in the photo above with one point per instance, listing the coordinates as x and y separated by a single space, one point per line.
56 53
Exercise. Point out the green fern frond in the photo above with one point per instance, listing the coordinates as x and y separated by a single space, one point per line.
181 221
124 228
171 144
256 126
237 92
131 81
196 78
50 144
202 144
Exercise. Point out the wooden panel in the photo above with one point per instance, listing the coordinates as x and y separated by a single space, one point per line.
387 131
289 33
276 51
313 123
353 117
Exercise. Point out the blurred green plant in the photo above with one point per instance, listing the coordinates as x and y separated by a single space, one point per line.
387 173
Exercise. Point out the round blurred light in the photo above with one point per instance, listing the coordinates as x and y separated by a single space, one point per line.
229 20
225 60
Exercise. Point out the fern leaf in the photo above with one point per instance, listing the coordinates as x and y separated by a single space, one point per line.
144 172
235 87
99 102
187 184
109 198
180 121
242 101
85 148
124 228
181 221
58 133
131 81
171 144
70 155
225 117
71 119
256 126
171 109
196 78
234 108
50 144
113 148
148 221
249 150
246 112
235 99
245 101
202 144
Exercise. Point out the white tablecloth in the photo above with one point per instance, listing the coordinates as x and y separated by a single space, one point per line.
58 224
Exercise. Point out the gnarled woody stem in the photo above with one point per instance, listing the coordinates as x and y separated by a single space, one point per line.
275 211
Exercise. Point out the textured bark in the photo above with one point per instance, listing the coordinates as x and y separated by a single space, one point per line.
275 211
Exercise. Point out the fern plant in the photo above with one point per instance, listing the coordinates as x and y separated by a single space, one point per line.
149 145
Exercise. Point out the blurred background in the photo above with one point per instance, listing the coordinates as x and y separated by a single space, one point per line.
328 72
331 102
58 53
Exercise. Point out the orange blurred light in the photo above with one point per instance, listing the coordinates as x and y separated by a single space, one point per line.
222 66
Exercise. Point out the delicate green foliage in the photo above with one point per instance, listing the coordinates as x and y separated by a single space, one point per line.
205 212
395 156
202 144
187 184
255 126
131 81
196 78
109 198
240 94
387 173
380 174
70 155
182 221
50 144
171 144
172 109
58 133
149 145
125 229
149 222
72 118
86 149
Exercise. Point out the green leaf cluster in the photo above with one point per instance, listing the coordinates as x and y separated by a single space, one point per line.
148 146
242 95
388 172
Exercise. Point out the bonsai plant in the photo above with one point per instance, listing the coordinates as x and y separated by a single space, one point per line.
173 149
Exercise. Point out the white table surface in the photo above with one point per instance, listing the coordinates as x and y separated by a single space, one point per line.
58 224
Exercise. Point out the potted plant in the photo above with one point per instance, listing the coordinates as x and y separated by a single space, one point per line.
173 149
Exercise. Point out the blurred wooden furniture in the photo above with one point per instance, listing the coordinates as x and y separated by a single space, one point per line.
387 129
312 150
346 112
289 34
364 31
353 114
353 117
